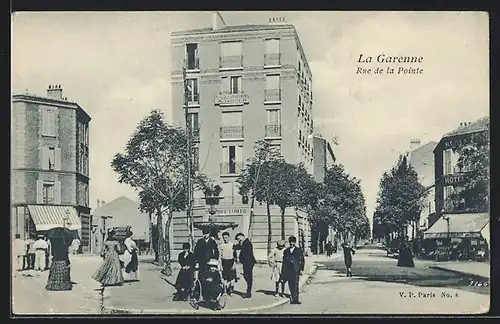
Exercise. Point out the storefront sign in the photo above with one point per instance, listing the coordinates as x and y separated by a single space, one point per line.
456 142
452 179
236 99
231 211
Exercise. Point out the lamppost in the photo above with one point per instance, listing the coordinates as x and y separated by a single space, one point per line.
448 246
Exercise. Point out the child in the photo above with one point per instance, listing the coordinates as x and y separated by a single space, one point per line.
185 277
211 283
348 257
275 260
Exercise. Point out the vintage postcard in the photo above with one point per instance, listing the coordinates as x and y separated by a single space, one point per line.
295 162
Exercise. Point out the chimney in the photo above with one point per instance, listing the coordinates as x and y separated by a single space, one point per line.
217 20
414 144
55 92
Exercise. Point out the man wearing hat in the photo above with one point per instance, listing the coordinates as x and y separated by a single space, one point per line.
206 249
293 265
275 260
40 247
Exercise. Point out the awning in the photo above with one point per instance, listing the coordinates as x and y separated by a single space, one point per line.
47 217
464 225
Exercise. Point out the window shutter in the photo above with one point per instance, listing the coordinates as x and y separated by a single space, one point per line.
58 165
45 158
39 192
45 116
57 192
239 84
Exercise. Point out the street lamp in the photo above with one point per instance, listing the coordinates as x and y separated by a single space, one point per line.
447 219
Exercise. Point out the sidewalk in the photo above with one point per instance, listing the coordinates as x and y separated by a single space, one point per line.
30 297
479 269
153 294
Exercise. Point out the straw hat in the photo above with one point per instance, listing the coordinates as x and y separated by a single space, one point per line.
213 263
281 243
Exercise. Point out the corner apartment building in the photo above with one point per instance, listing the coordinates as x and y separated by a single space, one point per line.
50 164
245 83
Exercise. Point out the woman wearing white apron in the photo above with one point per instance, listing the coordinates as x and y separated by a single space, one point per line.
130 261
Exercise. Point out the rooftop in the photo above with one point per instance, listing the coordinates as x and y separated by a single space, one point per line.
58 102
479 125
234 28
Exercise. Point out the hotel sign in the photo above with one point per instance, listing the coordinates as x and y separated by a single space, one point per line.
453 179
456 142
232 99
231 211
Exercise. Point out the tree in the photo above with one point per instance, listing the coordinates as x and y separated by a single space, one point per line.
400 197
257 179
474 159
155 164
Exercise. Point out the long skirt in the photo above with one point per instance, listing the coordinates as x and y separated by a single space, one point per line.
59 278
130 270
184 281
109 273
276 274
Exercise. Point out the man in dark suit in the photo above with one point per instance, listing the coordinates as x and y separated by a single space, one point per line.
293 265
247 259
206 249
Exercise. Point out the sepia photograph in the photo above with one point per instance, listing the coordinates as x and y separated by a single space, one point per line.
250 162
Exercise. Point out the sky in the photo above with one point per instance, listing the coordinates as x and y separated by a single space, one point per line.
116 66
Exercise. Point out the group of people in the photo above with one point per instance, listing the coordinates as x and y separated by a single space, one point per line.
214 262
120 261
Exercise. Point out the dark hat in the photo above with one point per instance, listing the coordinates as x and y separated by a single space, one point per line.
281 243
205 230
292 239
186 246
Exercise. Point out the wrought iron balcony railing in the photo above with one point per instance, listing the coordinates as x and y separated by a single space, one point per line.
272 59
231 62
230 167
273 130
271 95
231 132
193 99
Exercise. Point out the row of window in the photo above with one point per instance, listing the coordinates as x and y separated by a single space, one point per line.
233 85
232 54
51 159
450 161
49 192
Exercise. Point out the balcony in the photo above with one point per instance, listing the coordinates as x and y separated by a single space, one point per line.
273 130
272 60
192 64
227 168
231 62
272 95
231 132
227 98
193 99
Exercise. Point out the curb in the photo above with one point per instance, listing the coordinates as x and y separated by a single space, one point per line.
459 272
110 309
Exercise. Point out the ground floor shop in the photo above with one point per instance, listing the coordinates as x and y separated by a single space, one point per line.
30 220
463 236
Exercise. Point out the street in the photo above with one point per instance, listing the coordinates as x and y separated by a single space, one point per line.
378 286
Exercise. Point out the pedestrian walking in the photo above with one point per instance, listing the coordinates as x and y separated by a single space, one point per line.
75 245
130 259
205 249
293 266
185 277
47 254
59 273
247 260
329 249
110 272
40 247
275 260
228 256
405 257
348 253
19 249
31 253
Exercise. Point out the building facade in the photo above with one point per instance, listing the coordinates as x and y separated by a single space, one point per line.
323 156
50 164
244 83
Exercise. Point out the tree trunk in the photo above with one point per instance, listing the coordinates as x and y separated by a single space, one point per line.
250 218
150 233
167 270
269 229
161 238
282 209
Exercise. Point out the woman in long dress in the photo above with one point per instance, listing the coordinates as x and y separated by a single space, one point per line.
275 260
185 278
59 272
130 260
110 273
